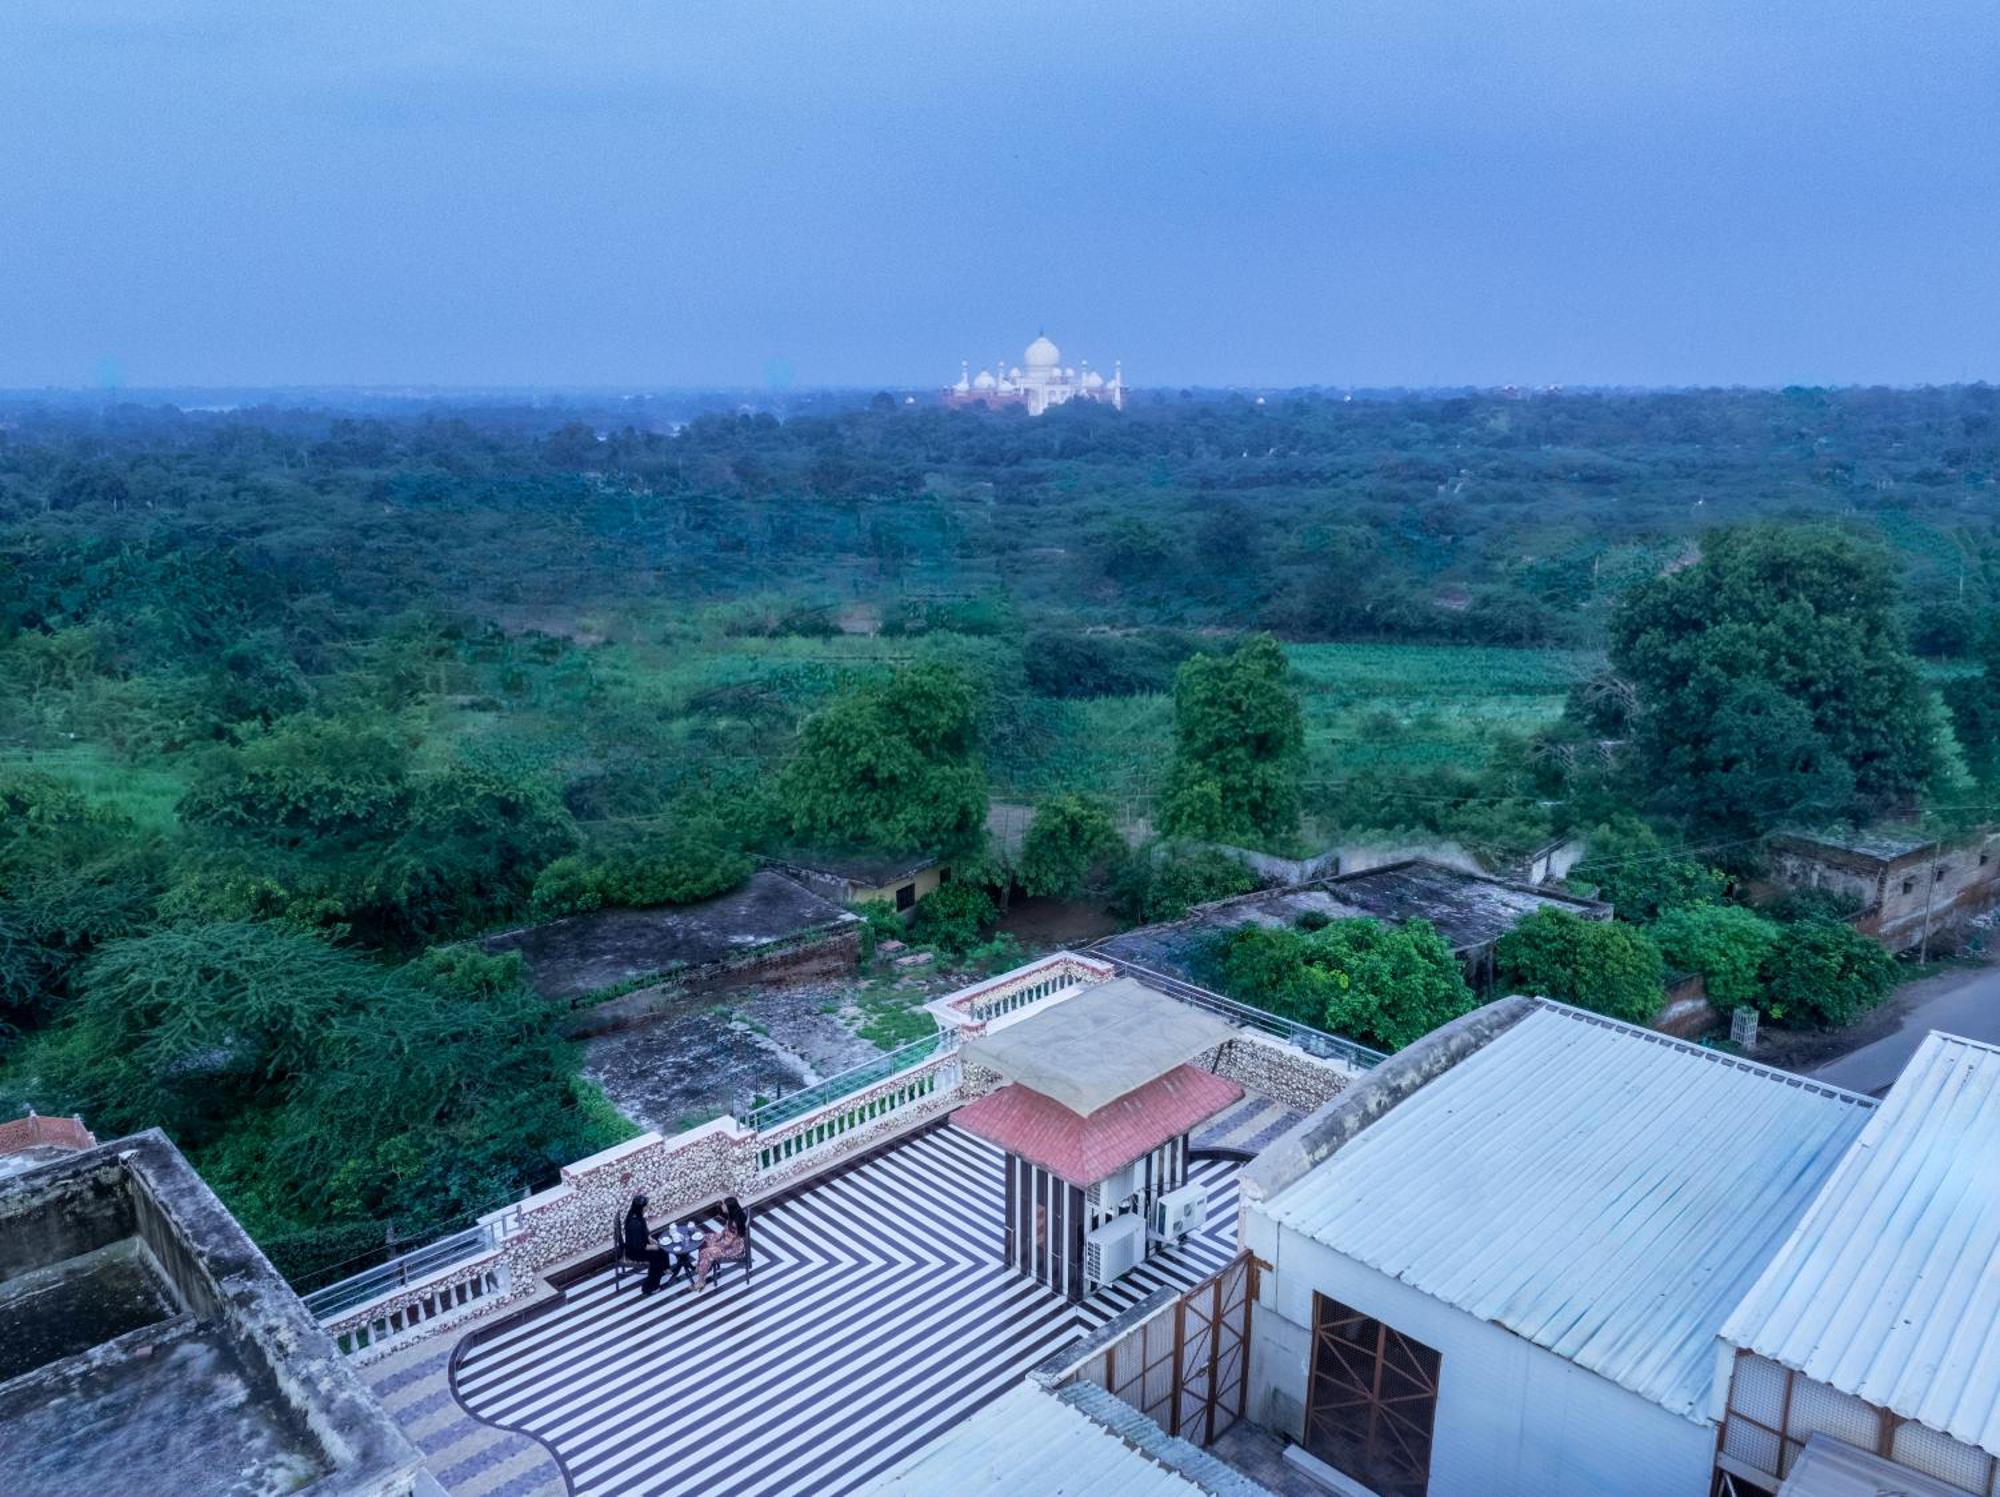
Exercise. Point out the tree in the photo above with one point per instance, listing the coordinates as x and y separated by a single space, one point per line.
952 916
1639 875
1774 683
891 764
1727 944
1600 965
1239 746
1071 842
1824 974
1163 882
1975 707
1385 985
680 867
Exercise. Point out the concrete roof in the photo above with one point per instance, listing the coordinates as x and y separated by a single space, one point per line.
1085 1150
1110 1039
874 869
1075 1443
1604 1191
583 954
1874 845
1889 1286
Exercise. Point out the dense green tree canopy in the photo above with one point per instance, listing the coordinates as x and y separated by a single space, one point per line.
1611 968
1239 747
1384 985
891 764
1773 682
1823 973
1727 944
1071 843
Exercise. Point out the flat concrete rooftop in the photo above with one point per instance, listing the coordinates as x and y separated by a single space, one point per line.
582 954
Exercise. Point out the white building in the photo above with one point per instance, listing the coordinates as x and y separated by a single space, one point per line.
1499 1266
1039 381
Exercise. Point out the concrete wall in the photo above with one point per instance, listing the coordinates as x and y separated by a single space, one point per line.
928 882
1513 1420
1935 889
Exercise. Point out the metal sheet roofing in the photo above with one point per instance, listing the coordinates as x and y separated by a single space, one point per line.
1030 1441
1604 1191
1889 1287
1086 1150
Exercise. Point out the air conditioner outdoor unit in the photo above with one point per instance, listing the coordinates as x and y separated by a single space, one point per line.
1114 1248
1109 1194
1180 1212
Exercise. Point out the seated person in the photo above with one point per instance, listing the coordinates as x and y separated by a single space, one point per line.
728 1243
639 1245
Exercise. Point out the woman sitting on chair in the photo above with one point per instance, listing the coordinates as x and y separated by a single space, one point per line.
728 1244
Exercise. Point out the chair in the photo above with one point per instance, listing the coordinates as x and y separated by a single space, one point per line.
622 1262
722 1265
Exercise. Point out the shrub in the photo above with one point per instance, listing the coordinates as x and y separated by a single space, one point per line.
950 918
1384 985
1823 974
1726 944
1167 883
676 870
1072 841
1638 875
1609 968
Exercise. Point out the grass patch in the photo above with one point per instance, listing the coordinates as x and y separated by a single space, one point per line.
146 794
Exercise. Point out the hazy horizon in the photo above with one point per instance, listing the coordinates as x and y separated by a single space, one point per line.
1418 195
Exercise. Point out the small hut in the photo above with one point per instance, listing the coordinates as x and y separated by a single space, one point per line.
1094 1121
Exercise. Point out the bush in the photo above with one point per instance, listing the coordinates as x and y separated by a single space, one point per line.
675 870
1605 967
1385 985
1726 944
950 918
1072 842
1164 885
1638 875
1824 974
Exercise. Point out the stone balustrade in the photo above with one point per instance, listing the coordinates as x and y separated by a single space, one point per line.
408 1313
998 1001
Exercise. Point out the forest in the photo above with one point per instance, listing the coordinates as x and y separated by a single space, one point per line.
294 698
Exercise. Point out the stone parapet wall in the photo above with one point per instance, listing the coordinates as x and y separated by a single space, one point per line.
1274 1069
831 951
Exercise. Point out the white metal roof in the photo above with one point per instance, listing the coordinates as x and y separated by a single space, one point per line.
1604 1191
1029 1441
1889 1288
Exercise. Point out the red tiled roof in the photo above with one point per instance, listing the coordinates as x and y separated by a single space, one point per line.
1084 1150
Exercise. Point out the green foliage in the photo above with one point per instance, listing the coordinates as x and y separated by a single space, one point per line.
951 917
891 764
677 868
880 923
1726 944
1631 868
1607 967
1165 881
1239 747
1774 683
1824 974
1385 985
1071 843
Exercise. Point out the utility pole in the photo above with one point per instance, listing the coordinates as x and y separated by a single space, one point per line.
1930 894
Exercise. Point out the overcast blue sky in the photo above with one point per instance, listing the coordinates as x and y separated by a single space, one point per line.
660 194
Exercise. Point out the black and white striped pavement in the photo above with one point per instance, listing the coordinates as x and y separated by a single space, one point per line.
880 1314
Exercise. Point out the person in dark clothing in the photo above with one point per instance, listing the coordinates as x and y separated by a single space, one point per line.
639 1244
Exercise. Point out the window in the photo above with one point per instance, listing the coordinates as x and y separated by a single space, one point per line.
906 896
1909 885
1985 858
1371 1400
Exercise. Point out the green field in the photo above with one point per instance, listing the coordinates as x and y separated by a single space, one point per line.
145 794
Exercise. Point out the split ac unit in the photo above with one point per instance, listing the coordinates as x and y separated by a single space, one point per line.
1111 1193
1114 1248
1180 1212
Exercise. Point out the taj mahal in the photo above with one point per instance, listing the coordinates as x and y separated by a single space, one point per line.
1038 382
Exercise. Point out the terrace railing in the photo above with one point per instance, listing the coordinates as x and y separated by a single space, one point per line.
977 1008
856 1078
412 1268
819 1116
1315 1042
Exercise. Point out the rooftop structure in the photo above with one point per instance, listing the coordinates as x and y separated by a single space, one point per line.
1470 911
29 1142
1910 890
900 879
146 1346
1039 381
578 955
1888 1288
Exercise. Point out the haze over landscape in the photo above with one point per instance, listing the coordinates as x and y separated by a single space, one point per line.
1394 192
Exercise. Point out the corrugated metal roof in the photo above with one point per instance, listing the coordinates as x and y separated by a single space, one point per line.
1085 1150
1030 1441
1889 1288
1604 1191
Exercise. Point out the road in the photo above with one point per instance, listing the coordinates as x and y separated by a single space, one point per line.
1965 1000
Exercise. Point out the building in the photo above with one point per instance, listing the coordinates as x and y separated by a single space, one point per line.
1874 1333
147 1346
1469 910
1499 1264
899 879
1910 890
769 927
1039 381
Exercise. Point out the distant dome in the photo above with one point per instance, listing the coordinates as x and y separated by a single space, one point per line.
983 380
1093 381
1043 354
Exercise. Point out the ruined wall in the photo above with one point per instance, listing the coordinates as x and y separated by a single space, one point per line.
832 952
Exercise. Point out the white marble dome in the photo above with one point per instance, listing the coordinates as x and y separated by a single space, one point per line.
1042 354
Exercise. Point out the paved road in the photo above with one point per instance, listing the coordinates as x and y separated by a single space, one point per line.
1963 1001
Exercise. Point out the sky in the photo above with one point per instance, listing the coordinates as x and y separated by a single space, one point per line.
674 194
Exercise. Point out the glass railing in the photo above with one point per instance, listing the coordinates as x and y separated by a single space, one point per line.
820 1093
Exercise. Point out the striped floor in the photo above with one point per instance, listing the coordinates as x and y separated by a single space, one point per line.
880 1314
